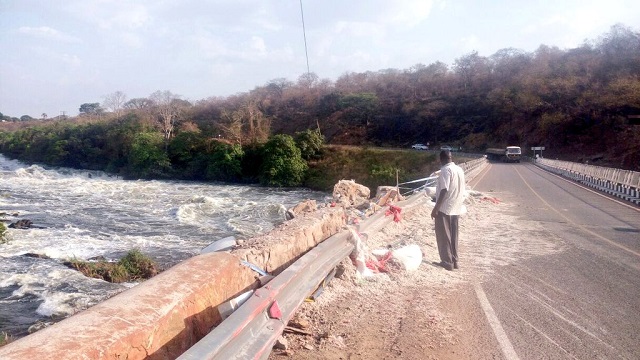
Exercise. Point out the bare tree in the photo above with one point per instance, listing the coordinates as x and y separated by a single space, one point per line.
168 108
247 123
231 125
308 80
115 102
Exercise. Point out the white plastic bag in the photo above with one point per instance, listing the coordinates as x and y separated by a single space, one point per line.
409 256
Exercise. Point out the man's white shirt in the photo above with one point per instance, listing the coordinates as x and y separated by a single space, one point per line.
451 178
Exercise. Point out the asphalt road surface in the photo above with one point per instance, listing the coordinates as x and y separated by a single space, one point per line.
579 302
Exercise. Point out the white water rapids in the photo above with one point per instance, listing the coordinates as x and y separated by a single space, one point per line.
84 214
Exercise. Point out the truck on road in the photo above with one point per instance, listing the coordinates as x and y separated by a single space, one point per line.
508 154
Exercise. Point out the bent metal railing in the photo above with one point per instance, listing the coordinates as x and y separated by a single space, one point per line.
470 168
251 331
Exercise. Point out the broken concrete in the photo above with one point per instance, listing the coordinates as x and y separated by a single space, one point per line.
306 206
348 193
158 319
278 249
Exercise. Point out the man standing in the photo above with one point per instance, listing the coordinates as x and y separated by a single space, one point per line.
450 190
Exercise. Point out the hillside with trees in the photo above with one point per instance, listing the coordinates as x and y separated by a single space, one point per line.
579 103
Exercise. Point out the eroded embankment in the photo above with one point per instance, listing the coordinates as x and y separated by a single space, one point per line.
164 316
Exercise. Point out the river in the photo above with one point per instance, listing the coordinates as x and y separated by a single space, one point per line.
84 214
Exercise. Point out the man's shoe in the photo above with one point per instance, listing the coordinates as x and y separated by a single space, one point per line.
444 265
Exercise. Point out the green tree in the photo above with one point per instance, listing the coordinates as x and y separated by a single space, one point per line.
225 163
361 107
310 143
91 109
282 162
148 158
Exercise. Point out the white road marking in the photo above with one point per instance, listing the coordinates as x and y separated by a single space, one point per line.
543 334
631 251
505 345
589 190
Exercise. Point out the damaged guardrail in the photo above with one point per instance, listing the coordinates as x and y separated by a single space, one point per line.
624 184
251 331
470 168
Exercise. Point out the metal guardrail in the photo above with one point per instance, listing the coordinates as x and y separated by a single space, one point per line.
624 177
251 331
624 184
470 168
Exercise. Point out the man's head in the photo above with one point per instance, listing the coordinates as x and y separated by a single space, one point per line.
445 157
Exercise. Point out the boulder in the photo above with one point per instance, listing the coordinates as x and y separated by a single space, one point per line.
21 224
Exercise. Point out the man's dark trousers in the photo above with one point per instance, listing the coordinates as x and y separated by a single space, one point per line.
447 238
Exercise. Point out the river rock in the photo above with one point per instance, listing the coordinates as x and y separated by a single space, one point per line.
37 256
21 224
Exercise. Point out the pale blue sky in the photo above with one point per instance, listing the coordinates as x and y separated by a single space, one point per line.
56 55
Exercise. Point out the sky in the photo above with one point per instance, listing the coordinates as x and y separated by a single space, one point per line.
58 54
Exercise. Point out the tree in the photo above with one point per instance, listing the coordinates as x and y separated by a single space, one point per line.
360 107
224 163
138 104
310 143
147 158
115 102
277 86
471 68
246 124
91 109
44 116
308 80
25 118
168 107
282 163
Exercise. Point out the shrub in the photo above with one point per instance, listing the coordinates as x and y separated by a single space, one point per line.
282 162
132 267
138 266
5 338
3 230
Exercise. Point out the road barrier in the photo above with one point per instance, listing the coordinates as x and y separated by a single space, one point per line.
251 331
624 184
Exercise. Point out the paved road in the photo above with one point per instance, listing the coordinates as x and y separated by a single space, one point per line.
581 301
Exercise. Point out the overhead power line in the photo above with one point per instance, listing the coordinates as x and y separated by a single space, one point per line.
304 33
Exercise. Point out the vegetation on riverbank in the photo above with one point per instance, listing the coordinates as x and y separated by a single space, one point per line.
3 230
580 104
369 166
5 338
134 266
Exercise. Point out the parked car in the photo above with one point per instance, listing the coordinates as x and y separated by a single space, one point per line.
420 147
446 147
